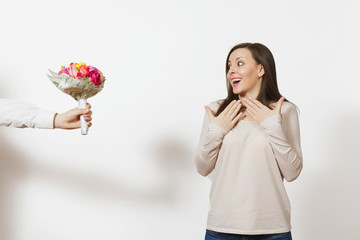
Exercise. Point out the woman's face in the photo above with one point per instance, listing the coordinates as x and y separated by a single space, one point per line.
244 74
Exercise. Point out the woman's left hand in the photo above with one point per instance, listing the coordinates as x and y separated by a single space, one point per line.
259 111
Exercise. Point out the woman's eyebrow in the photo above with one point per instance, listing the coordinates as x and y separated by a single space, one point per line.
237 58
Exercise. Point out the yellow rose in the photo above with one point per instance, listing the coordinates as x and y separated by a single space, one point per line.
79 64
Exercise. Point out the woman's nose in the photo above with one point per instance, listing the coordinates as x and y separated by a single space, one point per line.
231 69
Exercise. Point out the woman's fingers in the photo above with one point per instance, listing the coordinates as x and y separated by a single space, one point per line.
250 108
236 119
250 104
228 108
228 117
209 112
234 111
256 102
251 112
231 110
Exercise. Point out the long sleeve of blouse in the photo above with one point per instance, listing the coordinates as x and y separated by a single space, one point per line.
284 137
209 145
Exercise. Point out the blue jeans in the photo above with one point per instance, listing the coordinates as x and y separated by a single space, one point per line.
212 235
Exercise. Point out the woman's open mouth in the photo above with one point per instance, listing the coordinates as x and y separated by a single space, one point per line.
235 81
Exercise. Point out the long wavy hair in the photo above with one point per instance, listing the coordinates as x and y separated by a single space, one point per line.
269 91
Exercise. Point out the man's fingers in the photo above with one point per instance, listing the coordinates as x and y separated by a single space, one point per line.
86 114
88 119
84 111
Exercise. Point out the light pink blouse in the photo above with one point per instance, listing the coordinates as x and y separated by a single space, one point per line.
247 194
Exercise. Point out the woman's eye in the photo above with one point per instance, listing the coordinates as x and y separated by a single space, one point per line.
240 63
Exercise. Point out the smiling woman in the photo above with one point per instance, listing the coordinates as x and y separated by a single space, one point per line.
255 65
251 141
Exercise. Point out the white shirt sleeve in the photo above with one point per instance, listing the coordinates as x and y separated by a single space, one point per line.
21 115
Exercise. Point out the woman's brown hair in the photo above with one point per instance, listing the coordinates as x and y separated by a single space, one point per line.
269 91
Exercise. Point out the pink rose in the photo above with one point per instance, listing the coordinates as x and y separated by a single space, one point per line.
95 77
64 70
91 68
73 71
80 75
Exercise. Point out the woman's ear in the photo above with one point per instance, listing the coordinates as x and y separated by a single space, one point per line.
261 70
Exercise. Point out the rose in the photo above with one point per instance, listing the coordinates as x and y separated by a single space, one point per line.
78 65
80 70
95 77
73 72
64 70
79 75
101 76
84 70
91 68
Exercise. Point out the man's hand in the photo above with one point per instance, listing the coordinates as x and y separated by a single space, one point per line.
71 118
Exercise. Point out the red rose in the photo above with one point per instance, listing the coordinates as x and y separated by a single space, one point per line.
95 77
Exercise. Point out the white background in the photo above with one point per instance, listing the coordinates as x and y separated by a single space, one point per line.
133 176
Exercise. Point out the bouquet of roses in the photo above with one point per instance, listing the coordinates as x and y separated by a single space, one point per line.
81 82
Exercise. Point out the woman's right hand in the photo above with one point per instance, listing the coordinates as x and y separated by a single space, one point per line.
228 118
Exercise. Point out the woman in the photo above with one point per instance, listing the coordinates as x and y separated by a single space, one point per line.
251 140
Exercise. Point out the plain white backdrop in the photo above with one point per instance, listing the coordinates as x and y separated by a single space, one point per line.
133 176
